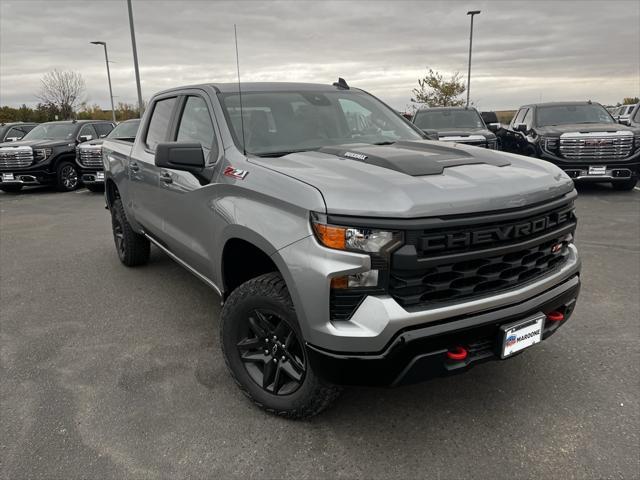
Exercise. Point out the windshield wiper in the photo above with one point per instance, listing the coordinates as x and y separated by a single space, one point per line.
384 143
280 154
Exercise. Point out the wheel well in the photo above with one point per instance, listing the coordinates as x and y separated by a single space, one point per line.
242 261
111 192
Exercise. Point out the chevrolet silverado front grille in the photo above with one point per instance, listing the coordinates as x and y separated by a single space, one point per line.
590 147
15 157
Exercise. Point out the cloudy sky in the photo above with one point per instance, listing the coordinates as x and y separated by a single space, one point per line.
524 51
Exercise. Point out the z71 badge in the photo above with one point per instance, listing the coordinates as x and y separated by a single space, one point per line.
235 173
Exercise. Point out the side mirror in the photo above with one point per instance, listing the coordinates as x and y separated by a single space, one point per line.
431 134
625 121
185 156
494 127
85 138
520 127
12 139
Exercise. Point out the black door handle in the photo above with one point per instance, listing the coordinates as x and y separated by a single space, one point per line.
166 177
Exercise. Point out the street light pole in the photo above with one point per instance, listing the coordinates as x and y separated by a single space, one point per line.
135 58
106 59
472 13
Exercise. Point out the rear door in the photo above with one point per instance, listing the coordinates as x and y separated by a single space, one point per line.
186 200
146 194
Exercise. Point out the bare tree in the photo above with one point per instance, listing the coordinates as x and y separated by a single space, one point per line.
62 89
434 91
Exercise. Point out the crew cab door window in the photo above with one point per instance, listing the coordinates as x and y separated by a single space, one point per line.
196 125
159 123
88 130
103 129
528 119
519 116
14 133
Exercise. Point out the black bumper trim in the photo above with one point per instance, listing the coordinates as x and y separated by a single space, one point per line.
419 354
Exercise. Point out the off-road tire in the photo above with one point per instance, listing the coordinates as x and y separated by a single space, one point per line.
11 188
270 291
132 248
625 185
65 179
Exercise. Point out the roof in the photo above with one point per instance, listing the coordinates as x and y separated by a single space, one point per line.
560 104
10 124
79 121
260 87
444 109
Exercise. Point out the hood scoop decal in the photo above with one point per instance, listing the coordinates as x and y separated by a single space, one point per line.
414 158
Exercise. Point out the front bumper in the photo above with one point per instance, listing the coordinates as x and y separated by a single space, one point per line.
91 176
417 354
579 171
27 177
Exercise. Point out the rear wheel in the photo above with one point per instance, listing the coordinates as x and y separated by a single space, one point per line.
133 249
625 185
11 188
67 178
265 352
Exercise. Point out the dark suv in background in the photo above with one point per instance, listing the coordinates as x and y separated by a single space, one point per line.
12 132
46 155
455 124
581 138
89 154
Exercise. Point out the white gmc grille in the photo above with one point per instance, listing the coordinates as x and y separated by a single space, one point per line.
596 145
15 157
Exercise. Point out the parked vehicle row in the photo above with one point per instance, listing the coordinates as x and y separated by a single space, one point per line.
622 114
346 247
581 138
12 132
456 124
47 154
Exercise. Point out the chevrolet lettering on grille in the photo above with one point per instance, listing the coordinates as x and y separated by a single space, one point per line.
498 234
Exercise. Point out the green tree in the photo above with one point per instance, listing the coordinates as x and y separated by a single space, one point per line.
434 91
630 100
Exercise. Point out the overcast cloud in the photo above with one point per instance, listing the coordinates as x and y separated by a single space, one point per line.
524 51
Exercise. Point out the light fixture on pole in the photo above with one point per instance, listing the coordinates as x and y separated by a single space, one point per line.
106 59
472 13
135 57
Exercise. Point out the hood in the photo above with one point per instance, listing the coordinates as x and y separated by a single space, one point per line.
558 130
421 179
92 143
465 132
37 143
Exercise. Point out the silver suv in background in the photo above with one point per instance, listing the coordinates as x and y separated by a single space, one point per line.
345 247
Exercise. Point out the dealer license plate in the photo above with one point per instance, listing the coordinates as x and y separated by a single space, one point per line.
520 335
99 175
597 170
8 177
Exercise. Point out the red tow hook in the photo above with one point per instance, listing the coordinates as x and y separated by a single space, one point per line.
457 353
555 316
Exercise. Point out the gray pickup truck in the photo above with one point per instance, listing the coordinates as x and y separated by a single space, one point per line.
347 249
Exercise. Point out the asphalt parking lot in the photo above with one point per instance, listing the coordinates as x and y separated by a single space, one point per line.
109 372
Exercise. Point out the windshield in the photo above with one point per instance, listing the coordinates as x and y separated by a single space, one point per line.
52 131
569 114
447 119
276 123
125 130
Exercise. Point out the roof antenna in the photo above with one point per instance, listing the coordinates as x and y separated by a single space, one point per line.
244 146
341 83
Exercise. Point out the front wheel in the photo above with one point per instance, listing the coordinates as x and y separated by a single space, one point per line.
67 178
265 352
625 185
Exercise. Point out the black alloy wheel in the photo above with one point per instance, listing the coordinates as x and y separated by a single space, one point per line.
272 353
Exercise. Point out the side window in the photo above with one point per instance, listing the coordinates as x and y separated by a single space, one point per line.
14 133
519 116
636 117
196 125
88 130
159 123
103 129
528 118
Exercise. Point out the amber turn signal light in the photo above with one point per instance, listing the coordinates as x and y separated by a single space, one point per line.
330 236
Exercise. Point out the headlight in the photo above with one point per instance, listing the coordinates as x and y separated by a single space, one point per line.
355 239
40 154
549 143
